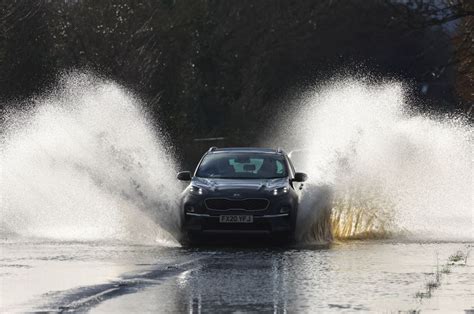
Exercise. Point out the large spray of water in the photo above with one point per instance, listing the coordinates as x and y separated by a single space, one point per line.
84 163
386 169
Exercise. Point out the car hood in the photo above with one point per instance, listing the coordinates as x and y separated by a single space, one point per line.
239 184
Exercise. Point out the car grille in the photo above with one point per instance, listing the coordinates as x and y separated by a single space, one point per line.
247 204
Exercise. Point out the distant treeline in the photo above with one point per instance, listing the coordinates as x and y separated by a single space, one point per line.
210 68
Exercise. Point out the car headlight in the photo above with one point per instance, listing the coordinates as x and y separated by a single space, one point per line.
195 190
280 191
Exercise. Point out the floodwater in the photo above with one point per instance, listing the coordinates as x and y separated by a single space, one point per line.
351 276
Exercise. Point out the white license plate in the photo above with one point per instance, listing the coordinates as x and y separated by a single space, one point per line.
245 219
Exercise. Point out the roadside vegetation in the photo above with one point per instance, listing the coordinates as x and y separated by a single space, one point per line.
213 69
361 214
435 279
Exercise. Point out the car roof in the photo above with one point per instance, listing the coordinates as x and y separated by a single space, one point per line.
245 150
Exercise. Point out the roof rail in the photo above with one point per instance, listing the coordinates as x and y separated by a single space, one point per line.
280 150
213 148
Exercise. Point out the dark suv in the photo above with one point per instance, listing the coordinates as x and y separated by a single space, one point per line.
241 191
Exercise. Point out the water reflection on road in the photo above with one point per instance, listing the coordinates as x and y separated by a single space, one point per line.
366 276
359 276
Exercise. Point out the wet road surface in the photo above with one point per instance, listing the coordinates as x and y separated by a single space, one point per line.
114 277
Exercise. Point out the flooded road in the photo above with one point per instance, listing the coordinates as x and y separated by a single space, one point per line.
352 276
88 171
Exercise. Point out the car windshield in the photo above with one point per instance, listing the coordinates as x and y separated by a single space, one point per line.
242 165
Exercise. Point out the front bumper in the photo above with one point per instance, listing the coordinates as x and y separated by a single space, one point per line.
262 224
277 218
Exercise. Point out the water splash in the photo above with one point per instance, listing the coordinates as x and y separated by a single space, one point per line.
390 170
84 163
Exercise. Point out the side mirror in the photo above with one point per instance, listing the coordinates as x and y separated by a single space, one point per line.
184 176
300 177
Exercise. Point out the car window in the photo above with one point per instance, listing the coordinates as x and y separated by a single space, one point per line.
255 163
280 167
242 165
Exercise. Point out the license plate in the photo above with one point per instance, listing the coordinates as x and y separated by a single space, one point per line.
245 219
